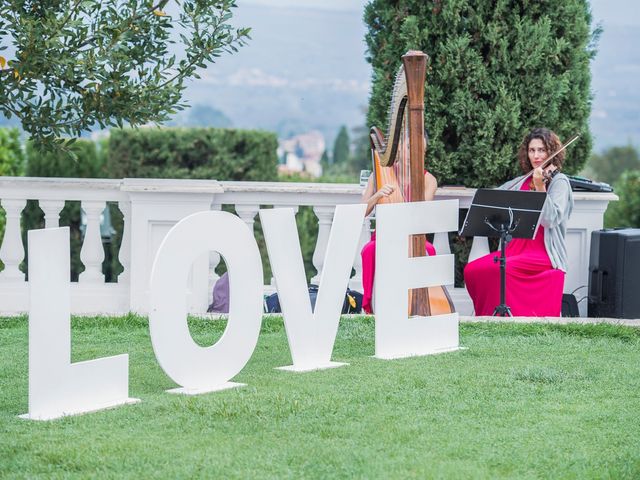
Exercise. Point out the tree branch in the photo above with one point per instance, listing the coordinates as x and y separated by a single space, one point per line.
64 22
157 6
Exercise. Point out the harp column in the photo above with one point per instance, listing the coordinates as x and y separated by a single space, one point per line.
325 218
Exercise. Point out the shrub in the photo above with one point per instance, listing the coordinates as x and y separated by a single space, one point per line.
204 153
626 211
86 164
11 154
612 163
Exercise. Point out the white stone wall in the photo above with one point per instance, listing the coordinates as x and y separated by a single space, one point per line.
152 206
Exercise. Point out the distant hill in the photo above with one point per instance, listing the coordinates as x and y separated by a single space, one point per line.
305 69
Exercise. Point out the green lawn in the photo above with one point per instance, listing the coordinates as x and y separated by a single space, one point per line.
524 401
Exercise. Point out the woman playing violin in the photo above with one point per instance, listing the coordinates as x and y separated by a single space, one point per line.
535 268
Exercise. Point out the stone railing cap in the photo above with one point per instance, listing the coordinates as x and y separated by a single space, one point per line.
60 183
292 187
168 185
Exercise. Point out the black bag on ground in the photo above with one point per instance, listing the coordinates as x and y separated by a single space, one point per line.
352 301
272 304
569 306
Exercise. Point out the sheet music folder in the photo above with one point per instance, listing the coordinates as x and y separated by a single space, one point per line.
518 210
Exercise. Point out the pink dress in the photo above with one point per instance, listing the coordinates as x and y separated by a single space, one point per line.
534 287
368 255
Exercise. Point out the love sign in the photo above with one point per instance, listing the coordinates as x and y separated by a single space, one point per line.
58 387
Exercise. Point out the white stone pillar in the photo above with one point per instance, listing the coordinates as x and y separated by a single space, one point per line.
441 243
356 281
51 209
248 214
272 282
124 254
325 218
92 253
214 260
12 250
479 248
442 246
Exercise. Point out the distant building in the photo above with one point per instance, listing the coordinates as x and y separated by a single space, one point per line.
302 153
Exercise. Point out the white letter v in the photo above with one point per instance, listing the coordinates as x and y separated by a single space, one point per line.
311 335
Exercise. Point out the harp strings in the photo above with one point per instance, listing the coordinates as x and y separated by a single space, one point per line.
402 165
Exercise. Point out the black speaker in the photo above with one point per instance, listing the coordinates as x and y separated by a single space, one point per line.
614 273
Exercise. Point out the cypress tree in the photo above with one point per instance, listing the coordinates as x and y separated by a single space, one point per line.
324 160
341 147
496 69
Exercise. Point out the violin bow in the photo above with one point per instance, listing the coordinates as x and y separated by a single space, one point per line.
547 162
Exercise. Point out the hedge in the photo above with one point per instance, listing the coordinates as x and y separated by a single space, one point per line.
196 153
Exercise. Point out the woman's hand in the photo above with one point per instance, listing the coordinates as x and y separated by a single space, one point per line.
384 192
538 180
372 198
541 177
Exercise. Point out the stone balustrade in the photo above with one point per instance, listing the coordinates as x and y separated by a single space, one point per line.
150 207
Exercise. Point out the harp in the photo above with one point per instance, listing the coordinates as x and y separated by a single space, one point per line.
399 159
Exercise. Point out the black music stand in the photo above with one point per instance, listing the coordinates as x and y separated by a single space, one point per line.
505 214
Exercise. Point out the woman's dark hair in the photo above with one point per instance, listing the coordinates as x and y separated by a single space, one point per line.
551 143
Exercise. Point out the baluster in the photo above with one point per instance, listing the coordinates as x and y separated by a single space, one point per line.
12 250
51 209
441 243
124 254
442 246
214 260
325 217
356 281
295 211
247 214
92 253
479 248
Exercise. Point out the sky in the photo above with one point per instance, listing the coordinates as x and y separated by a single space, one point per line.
344 5
611 13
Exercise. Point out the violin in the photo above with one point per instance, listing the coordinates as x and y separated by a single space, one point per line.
548 176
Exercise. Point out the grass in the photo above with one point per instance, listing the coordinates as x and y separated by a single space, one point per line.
524 401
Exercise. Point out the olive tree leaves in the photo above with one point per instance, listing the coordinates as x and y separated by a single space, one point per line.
77 64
